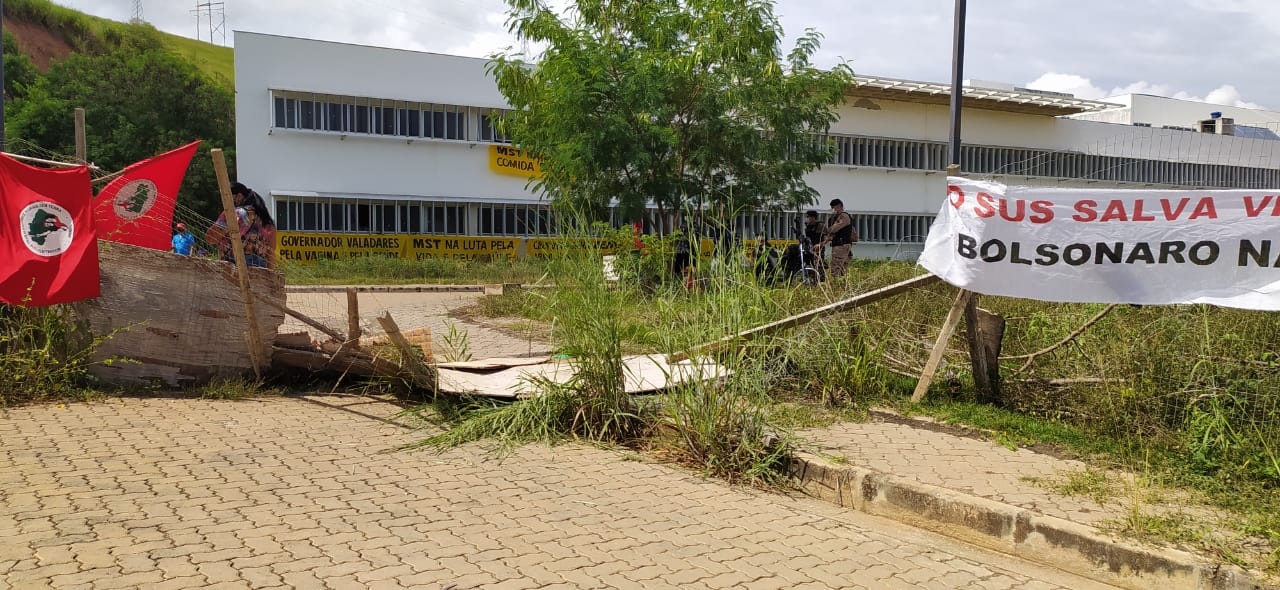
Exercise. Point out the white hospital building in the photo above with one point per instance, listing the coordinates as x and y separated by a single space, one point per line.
352 139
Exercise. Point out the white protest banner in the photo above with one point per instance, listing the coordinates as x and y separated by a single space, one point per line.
1109 246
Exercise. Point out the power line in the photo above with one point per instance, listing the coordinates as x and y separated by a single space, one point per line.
214 15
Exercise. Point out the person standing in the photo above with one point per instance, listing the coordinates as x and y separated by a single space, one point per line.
842 236
815 233
183 241
257 229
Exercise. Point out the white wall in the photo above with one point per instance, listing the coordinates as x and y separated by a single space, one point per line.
283 160
288 160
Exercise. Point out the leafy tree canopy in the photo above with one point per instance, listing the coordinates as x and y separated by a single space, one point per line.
139 100
18 69
687 104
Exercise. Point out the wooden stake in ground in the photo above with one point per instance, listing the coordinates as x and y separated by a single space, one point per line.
940 347
423 375
82 148
242 268
353 317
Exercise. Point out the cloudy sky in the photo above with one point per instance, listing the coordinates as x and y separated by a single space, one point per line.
1216 50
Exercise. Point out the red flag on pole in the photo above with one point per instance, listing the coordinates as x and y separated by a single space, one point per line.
48 247
137 207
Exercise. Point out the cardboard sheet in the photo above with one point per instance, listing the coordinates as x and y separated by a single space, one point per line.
644 374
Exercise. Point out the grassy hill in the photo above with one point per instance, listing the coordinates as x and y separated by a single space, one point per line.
214 60
47 32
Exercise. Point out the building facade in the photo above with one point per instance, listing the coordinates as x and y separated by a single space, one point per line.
363 149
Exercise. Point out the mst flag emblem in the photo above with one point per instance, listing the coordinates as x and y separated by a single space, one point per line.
47 229
48 250
134 199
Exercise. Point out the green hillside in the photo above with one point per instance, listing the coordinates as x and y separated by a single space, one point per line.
48 32
214 60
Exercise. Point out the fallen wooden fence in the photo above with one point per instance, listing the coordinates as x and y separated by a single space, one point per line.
808 316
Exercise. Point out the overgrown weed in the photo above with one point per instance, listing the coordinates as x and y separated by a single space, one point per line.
387 270
236 389
45 354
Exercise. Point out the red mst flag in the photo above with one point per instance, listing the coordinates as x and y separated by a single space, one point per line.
137 207
48 247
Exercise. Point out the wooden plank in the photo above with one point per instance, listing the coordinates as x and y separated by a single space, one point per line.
348 363
237 248
175 320
81 144
327 331
294 340
423 375
940 347
808 316
353 317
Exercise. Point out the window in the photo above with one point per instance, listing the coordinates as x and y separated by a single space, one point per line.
410 123
516 220
308 118
881 228
333 117
489 130
309 217
279 112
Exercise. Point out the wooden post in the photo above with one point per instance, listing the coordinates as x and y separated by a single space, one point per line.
81 143
986 371
242 268
940 347
353 317
990 330
423 375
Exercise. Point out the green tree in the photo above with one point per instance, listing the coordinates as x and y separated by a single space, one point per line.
139 101
19 73
688 104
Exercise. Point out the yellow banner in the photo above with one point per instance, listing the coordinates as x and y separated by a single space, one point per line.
312 246
460 247
543 247
508 160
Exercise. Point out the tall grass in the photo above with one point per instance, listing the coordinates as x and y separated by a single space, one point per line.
720 426
44 354
588 332
367 270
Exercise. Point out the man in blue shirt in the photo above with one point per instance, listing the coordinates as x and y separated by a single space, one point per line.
183 241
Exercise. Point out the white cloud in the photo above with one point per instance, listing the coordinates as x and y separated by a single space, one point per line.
1083 87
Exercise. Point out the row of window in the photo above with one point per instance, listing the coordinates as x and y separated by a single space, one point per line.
336 215
928 155
351 114
370 216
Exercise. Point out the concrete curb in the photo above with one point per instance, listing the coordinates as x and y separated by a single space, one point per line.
1056 542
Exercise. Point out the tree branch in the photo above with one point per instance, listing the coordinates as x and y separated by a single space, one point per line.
1072 336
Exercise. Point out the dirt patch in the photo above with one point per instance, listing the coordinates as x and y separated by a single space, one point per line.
38 43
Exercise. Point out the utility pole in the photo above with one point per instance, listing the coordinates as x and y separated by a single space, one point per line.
137 12
2 142
957 80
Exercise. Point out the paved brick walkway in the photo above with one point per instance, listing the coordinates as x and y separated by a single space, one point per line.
303 493
972 466
412 310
